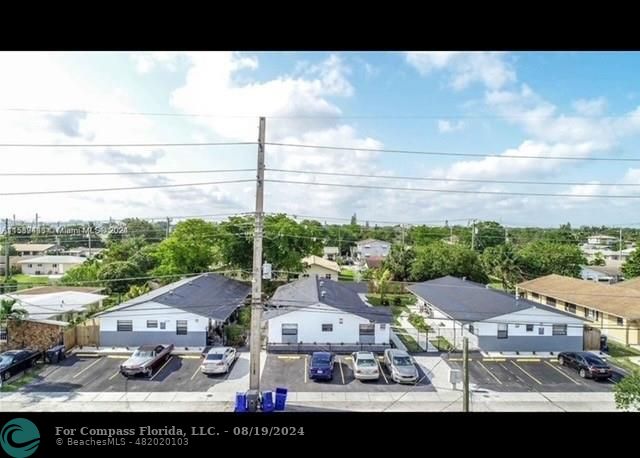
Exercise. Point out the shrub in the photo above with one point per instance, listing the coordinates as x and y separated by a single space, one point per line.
235 335
397 300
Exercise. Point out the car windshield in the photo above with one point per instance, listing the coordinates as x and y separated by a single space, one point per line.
594 361
320 360
402 361
366 362
5 359
214 357
143 354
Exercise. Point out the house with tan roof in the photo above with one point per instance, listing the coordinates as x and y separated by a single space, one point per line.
613 309
323 268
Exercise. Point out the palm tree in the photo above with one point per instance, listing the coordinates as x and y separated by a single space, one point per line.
504 263
381 279
10 313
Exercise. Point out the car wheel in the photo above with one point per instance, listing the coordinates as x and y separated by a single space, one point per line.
583 373
561 361
148 373
6 376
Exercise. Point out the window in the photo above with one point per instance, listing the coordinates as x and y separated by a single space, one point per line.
367 329
529 328
597 315
30 265
551 301
181 327
3 333
152 323
327 276
503 330
471 329
540 331
568 307
289 329
39 265
163 325
383 326
54 265
620 321
124 325
327 327
559 330
535 295
340 320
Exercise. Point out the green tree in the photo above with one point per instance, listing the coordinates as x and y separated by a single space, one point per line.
627 392
543 258
598 260
12 250
9 311
118 276
503 263
287 242
381 278
135 291
399 262
84 273
488 234
122 250
440 259
139 228
631 267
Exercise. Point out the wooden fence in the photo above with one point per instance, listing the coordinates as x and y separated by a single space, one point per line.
85 334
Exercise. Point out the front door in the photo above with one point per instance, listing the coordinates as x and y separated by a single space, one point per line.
290 333
367 333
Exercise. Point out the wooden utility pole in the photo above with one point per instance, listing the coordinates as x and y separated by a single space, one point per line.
255 341
473 234
168 227
465 375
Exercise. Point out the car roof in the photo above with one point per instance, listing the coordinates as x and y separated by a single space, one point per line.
148 347
362 354
12 352
216 350
397 352
321 353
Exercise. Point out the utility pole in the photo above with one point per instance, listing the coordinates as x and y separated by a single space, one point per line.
506 235
465 375
256 291
7 267
36 224
89 237
402 229
451 235
473 234
620 246
168 226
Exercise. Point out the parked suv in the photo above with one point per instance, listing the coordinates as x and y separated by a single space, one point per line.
321 365
587 364
400 365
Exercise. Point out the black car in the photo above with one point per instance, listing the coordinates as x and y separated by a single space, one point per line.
587 364
13 362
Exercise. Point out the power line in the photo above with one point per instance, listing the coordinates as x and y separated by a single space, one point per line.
162 172
129 188
461 180
120 145
441 153
458 191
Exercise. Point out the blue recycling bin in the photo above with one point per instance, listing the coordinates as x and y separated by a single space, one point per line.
281 398
241 402
267 401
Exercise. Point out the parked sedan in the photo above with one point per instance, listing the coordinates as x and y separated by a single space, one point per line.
219 360
400 365
146 359
321 366
365 366
587 364
13 362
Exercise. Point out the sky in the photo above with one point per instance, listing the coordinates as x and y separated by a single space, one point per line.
580 105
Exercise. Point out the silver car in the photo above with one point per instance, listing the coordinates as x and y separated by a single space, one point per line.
365 366
401 366
218 360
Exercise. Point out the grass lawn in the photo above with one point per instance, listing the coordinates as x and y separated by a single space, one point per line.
442 344
410 343
22 278
620 356
19 381
418 322
346 275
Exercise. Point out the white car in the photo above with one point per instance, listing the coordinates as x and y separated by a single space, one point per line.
365 366
219 360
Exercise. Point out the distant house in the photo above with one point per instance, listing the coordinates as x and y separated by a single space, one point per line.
13 262
603 274
50 265
493 320
601 240
614 309
36 249
188 313
315 265
610 256
330 252
371 248
84 252
314 313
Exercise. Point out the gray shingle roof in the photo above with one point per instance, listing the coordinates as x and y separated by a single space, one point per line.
209 295
465 300
306 292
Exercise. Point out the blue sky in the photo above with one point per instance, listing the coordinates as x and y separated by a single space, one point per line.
543 104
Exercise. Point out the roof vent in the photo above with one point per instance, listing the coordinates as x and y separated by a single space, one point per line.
323 293
321 282
464 278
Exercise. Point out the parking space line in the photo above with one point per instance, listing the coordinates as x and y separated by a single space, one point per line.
510 372
489 372
557 369
114 375
163 366
118 357
197 370
306 365
341 371
494 360
87 368
532 377
382 372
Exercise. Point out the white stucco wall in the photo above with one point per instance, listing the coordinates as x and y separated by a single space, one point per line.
46 268
539 318
346 327
139 314
320 271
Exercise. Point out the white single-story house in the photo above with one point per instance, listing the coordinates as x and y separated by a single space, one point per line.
602 274
60 305
323 268
330 252
184 313
50 265
495 321
371 247
315 313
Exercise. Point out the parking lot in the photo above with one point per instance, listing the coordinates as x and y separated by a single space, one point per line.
101 374
528 374
291 371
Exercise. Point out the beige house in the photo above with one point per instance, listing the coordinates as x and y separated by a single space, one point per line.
35 249
50 265
323 268
614 309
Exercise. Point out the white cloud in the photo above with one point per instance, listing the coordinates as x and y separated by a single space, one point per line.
465 68
590 107
446 127
147 62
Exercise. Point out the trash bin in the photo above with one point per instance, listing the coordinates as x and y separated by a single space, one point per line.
241 402
253 400
603 343
55 354
267 401
281 398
